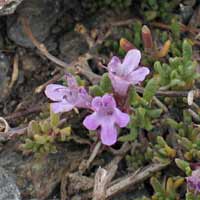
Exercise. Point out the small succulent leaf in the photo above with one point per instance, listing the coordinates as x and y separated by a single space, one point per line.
96 90
106 84
130 137
54 119
184 166
150 89
187 50
34 128
45 126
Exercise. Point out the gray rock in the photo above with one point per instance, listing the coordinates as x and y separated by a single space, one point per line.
38 178
8 6
71 46
41 15
134 194
8 188
1 41
4 66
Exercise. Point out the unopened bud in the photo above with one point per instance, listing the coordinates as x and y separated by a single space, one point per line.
147 38
165 49
126 45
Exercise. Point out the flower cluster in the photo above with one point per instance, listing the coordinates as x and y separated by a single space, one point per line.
193 181
106 117
126 73
69 97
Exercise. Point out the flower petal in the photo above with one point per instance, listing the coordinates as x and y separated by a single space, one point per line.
108 101
96 103
108 133
138 75
91 122
61 107
84 99
55 92
114 64
131 61
121 118
120 85
71 81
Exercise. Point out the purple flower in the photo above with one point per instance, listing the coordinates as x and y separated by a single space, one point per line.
66 98
193 181
106 116
126 73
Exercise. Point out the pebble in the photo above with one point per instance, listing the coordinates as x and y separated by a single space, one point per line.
8 188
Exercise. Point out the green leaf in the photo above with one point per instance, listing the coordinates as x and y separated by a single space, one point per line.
33 128
54 119
28 144
39 139
150 15
45 126
137 33
172 123
174 74
95 90
175 62
154 113
158 67
175 28
141 114
130 137
106 84
183 141
65 132
183 165
147 124
161 141
187 50
150 89
133 97
176 82
156 185
80 81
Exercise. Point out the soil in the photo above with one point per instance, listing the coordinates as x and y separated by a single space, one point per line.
53 23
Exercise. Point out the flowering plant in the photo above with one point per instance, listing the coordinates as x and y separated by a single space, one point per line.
106 118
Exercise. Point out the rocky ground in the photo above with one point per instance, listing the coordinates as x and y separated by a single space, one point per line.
23 68
52 23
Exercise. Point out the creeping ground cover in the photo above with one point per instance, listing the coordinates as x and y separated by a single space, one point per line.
102 102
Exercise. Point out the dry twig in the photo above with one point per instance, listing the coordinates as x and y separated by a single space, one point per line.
41 46
133 179
4 126
15 72
184 28
167 93
40 88
103 176
23 113
94 154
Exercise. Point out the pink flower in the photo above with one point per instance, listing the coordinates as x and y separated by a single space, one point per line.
126 73
193 181
66 98
106 116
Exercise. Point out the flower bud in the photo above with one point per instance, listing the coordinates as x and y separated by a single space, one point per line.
147 38
126 45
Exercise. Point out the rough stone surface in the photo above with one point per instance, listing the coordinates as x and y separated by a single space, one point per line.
8 188
8 6
72 45
41 14
4 66
38 177
4 79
